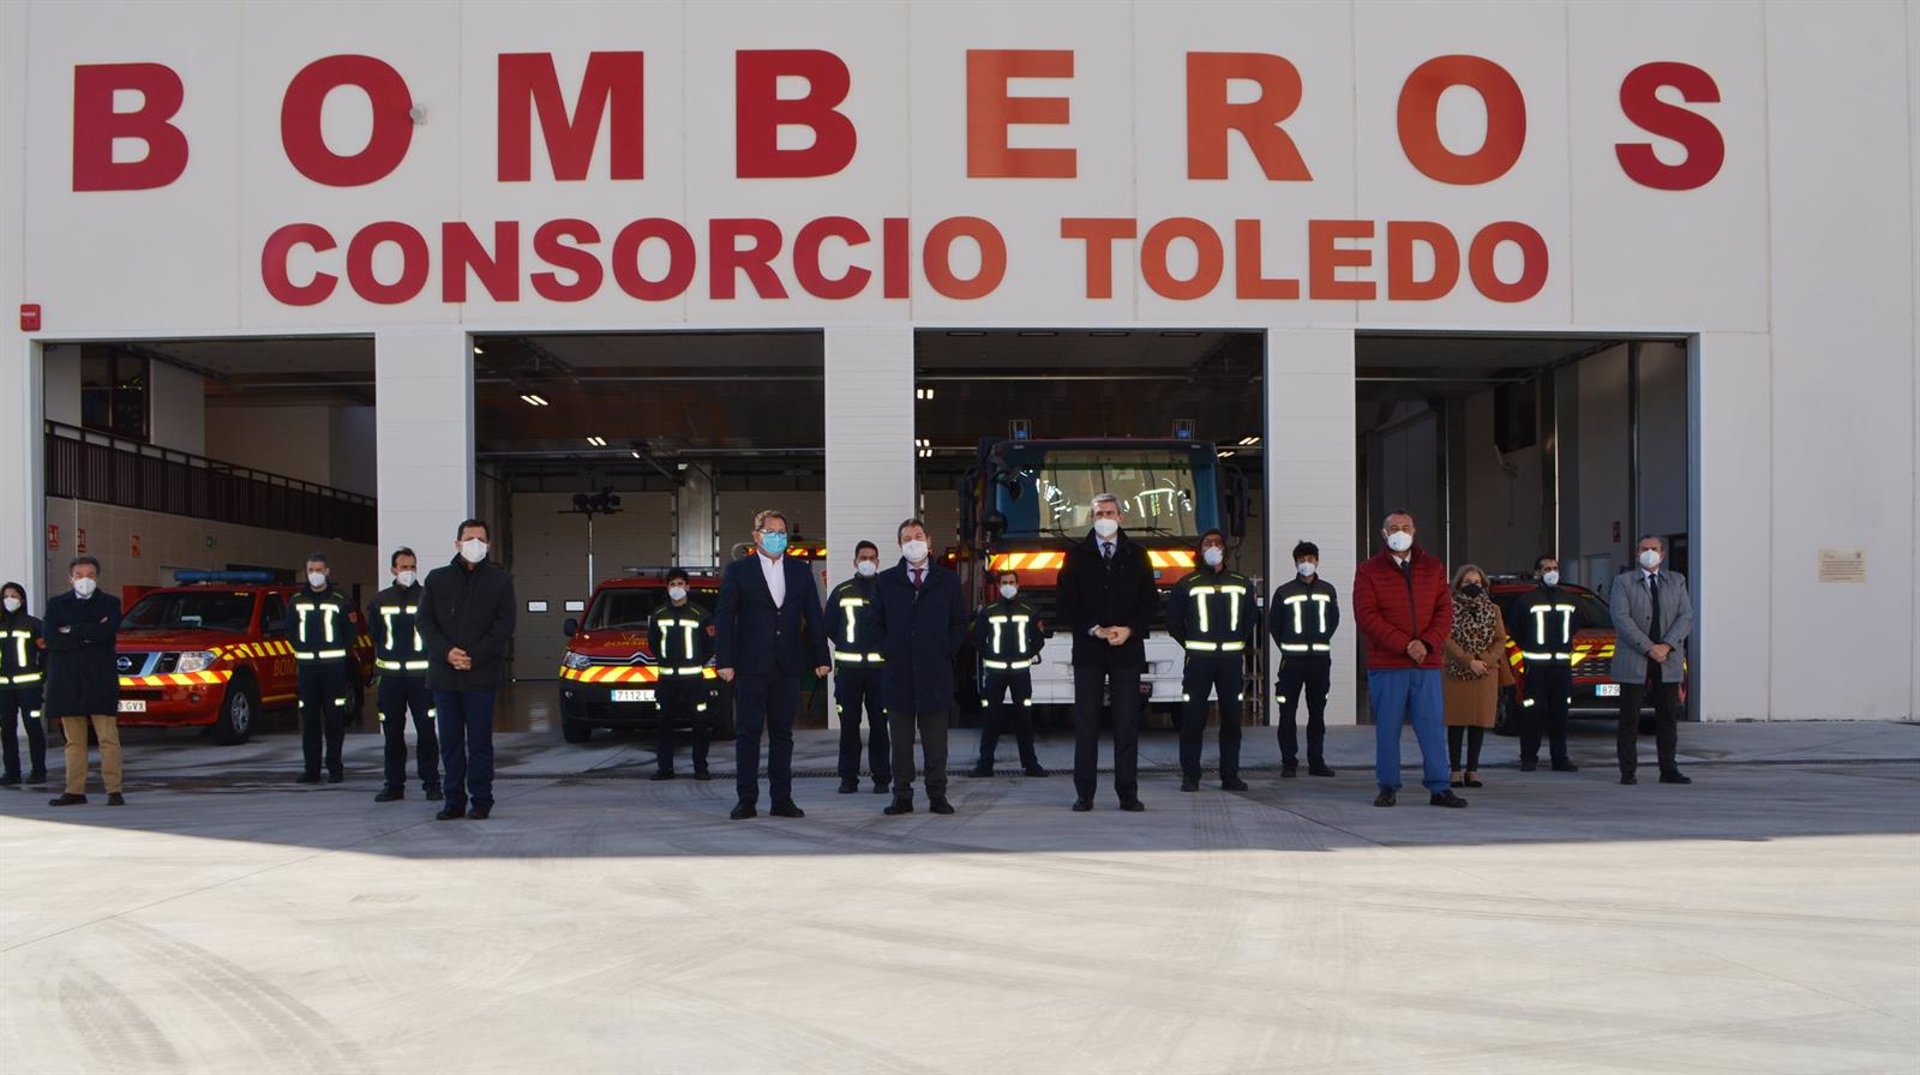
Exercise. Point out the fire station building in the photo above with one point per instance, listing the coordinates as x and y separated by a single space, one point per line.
1550 276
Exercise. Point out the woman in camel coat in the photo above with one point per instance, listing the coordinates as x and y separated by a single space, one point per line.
1476 669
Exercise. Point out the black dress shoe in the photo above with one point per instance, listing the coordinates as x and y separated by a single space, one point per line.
1629 778
1528 765
1132 806
939 804
451 813
1385 798
849 786
114 798
1233 783
480 811
980 770
702 774
1289 771
1034 770
881 787
10 780
307 778
1675 776
661 774
388 795
1319 770
435 795
1565 767
743 811
1189 783
38 776
1446 798
787 808
1474 782
897 807
67 800
1081 806
336 777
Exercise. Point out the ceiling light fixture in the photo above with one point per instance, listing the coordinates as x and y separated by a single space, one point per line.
532 400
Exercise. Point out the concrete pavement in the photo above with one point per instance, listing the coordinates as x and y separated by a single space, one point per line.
1763 919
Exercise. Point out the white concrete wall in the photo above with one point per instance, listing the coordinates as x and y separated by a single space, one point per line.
1310 490
21 525
426 448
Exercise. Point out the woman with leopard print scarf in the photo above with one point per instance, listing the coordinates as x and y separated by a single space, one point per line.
1476 670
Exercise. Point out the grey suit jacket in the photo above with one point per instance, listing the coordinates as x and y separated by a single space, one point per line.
1632 609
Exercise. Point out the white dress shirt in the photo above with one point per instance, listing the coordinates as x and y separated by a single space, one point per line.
774 570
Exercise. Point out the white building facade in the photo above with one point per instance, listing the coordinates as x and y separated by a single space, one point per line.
1742 175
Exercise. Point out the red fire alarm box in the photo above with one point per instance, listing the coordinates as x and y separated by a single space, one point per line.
29 317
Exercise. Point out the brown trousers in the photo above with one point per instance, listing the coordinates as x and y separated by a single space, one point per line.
107 727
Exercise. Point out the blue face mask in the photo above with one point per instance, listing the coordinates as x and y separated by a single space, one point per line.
774 541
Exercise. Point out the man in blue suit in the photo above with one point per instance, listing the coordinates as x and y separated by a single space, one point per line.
765 602
923 624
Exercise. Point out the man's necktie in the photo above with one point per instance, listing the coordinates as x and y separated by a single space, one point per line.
917 572
1653 594
1106 550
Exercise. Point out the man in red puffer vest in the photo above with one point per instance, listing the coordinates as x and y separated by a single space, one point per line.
1401 602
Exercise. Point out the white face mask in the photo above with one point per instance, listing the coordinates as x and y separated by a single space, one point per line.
85 586
405 578
676 593
1214 555
12 604
915 551
1106 528
1649 558
316 580
1399 541
473 550
867 568
1008 589
1308 569
1551 578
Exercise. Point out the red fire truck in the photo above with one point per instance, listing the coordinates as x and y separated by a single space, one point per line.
213 652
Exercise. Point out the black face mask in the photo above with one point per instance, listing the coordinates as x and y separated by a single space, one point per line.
1471 589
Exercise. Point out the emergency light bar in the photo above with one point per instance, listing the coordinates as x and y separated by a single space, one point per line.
257 578
638 572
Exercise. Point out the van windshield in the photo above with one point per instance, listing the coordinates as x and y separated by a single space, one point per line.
191 611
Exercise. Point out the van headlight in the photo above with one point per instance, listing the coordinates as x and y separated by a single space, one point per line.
194 662
576 661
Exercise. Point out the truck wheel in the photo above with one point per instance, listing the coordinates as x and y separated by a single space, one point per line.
574 731
237 711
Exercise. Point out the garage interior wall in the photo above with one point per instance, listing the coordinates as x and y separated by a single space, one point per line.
182 542
550 563
325 444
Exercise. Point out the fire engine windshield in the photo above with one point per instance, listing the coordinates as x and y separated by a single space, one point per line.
1166 491
629 609
191 611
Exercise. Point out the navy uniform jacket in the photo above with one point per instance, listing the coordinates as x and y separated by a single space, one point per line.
853 621
392 623
755 638
1008 636
1302 618
681 637
22 661
1211 614
81 678
320 625
923 631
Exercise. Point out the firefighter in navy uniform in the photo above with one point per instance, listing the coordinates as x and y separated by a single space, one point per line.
853 626
1007 635
320 626
22 677
680 634
1542 627
400 658
1304 614
1211 614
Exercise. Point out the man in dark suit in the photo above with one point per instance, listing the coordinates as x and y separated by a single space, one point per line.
83 684
466 619
923 624
1107 601
765 602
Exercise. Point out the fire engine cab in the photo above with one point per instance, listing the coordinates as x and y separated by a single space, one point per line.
1024 503
213 652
